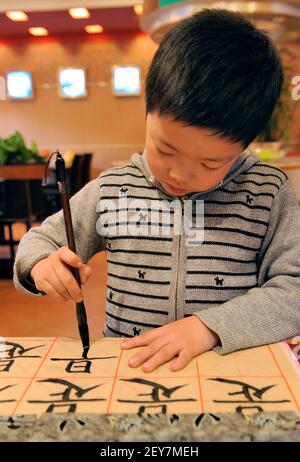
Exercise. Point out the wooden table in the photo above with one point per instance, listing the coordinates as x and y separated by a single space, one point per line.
52 394
25 173
22 171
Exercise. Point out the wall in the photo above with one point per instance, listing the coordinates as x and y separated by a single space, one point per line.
113 128
295 125
110 127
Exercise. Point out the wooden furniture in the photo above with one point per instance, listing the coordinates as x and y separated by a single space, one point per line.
24 173
78 174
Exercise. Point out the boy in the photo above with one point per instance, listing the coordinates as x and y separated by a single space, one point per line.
210 90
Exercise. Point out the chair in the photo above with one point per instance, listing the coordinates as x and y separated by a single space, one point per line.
77 176
20 201
80 172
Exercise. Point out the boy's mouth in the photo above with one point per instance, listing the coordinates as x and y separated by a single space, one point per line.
175 190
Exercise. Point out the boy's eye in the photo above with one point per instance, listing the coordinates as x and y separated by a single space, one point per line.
166 154
210 168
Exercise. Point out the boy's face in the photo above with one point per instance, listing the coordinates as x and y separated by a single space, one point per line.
197 160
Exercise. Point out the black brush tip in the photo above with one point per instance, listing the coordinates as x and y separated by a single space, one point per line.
85 352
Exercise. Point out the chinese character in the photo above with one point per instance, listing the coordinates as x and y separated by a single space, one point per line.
7 400
15 351
251 394
80 365
155 395
66 399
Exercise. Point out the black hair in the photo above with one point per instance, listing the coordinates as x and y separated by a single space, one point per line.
216 70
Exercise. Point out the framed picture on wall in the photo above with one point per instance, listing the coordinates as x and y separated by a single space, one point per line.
72 83
126 80
19 85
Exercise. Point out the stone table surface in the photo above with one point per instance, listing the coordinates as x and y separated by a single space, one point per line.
259 427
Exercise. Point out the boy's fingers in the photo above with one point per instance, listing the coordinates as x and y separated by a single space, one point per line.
139 340
59 278
160 357
49 290
69 282
69 257
182 360
146 353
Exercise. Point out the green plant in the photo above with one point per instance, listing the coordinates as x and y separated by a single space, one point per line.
278 127
14 151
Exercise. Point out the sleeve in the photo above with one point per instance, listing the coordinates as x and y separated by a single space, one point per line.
270 312
39 242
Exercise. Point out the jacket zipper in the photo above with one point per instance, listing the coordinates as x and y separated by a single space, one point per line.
178 255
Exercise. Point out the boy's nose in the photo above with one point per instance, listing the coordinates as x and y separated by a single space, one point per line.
178 179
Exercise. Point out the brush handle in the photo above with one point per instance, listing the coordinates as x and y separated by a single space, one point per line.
64 196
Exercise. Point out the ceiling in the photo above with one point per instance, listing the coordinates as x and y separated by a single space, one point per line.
58 22
280 17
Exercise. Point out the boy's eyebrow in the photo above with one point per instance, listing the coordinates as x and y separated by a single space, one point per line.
159 138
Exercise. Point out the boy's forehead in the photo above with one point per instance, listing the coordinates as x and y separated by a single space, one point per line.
187 139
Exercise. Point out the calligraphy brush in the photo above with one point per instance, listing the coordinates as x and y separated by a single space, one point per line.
64 197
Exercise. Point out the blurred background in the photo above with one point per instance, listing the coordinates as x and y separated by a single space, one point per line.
72 78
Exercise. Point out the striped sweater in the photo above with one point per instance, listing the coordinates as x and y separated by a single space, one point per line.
241 280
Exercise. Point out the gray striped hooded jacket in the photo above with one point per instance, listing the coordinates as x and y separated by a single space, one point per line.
239 275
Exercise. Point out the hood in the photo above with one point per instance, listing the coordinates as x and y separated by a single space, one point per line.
242 164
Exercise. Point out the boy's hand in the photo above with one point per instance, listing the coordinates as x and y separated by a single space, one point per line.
185 338
53 276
